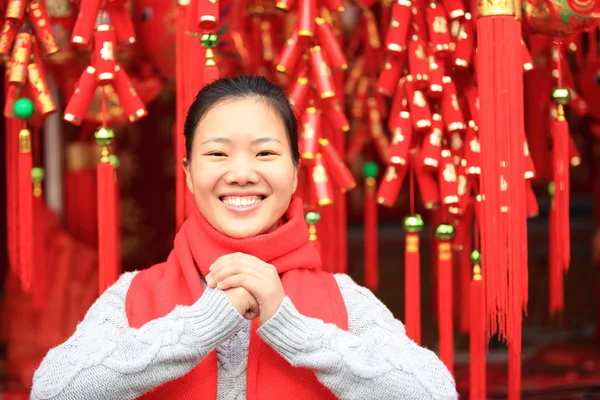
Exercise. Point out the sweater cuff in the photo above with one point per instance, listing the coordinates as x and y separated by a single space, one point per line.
214 318
288 331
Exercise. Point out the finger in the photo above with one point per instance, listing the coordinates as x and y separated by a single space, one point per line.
259 267
251 283
223 272
228 257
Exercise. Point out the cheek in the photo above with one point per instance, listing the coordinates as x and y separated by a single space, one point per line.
203 178
281 179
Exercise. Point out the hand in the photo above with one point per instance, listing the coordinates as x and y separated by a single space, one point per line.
243 301
239 270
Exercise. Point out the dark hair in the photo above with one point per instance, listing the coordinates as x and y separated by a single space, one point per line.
241 87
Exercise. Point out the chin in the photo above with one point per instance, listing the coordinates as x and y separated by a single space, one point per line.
240 231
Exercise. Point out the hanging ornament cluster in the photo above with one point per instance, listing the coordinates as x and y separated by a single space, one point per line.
559 35
195 45
25 40
95 28
101 27
424 65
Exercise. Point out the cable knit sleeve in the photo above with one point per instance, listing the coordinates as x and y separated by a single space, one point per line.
373 360
106 359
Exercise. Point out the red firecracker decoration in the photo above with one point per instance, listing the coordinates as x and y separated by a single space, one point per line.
103 71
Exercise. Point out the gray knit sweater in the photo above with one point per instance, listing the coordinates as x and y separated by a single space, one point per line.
106 359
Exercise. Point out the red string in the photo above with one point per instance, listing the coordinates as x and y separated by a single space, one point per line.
412 189
104 111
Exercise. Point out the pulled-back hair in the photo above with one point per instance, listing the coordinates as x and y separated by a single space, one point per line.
236 88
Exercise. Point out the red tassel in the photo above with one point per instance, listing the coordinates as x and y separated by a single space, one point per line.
370 228
503 209
312 218
180 186
500 81
12 199
477 339
556 300
107 224
560 132
412 278
444 234
25 211
108 227
40 273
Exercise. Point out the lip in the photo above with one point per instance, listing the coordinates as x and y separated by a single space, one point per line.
242 194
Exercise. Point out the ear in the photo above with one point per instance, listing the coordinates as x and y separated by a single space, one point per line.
295 184
186 165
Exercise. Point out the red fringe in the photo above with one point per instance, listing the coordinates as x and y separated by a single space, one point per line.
25 219
412 287
514 364
180 186
477 342
108 262
504 223
556 300
560 133
444 289
12 199
40 273
370 237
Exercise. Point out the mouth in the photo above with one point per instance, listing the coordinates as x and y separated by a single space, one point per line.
242 202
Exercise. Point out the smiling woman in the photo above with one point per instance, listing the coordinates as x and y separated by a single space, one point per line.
241 308
242 163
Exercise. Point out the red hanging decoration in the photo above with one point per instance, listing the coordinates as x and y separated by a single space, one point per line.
413 225
444 234
504 228
371 240
477 337
108 257
25 213
40 270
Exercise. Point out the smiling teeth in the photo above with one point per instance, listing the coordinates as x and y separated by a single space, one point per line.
237 201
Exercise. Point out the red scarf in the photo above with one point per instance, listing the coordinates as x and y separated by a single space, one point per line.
156 291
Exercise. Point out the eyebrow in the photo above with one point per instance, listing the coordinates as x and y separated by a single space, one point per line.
254 142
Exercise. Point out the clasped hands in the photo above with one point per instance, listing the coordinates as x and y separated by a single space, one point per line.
252 285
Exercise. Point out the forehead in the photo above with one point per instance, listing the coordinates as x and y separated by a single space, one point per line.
249 117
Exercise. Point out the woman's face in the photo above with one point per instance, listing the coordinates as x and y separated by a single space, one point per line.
241 171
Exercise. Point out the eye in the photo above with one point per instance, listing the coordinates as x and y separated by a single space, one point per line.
266 153
217 154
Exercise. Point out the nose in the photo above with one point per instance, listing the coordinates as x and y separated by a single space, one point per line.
241 171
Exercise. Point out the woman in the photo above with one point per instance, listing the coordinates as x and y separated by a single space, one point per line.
239 309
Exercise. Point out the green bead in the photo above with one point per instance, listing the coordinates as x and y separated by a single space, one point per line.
23 108
561 96
114 160
475 257
413 223
37 174
444 231
209 40
370 169
312 217
104 136
551 189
